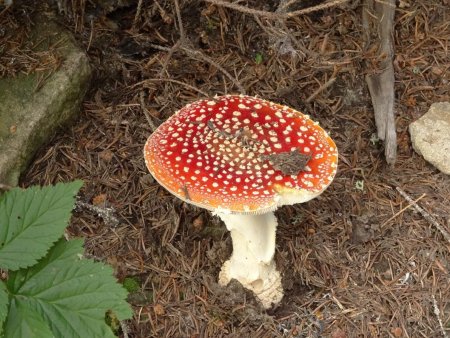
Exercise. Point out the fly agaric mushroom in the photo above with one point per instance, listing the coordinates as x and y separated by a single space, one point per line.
242 157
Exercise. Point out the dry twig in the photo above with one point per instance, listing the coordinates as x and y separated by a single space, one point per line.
138 12
195 54
174 81
183 45
437 312
146 112
425 214
272 15
321 89
402 210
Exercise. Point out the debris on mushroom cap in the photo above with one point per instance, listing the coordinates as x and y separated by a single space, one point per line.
221 154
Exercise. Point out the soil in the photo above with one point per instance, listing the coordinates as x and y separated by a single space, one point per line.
358 261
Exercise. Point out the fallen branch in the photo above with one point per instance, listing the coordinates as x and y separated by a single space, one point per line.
197 55
187 85
320 89
437 312
425 214
178 43
272 15
146 112
378 22
402 210
183 45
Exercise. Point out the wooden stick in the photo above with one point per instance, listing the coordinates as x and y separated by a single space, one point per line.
425 214
402 210
146 112
437 312
272 15
320 89
380 77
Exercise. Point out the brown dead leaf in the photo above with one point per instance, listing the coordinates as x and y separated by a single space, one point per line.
437 70
99 200
106 155
198 223
338 333
311 231
159 310
411 101
397 332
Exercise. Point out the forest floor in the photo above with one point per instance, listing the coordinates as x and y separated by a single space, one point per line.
358 261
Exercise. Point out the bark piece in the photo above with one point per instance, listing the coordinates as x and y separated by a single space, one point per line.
378 22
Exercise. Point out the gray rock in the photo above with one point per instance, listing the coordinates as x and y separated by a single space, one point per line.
430 136
31 114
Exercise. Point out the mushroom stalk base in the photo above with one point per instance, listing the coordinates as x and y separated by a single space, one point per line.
251 262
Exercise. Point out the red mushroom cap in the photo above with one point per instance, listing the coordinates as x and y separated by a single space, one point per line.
219 154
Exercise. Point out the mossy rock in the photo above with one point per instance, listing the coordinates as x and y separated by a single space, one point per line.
33 107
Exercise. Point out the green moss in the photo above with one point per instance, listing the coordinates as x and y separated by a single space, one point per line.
113 322
131 284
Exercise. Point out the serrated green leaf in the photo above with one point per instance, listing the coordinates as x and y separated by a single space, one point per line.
4 302
32 220
25 322
71 293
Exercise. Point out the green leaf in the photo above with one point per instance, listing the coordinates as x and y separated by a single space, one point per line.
71 293
25 322
4 301
258 58
32 220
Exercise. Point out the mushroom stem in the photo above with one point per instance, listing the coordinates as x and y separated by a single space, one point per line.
251 262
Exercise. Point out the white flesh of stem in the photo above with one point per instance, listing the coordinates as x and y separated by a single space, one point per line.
251 262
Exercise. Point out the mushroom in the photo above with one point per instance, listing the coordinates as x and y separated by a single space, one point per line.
242 157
